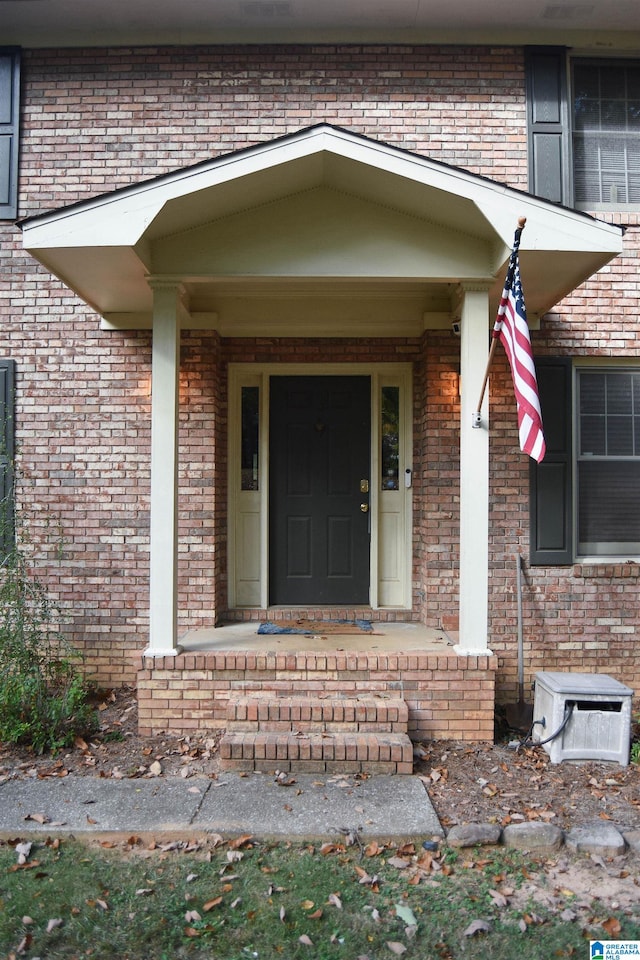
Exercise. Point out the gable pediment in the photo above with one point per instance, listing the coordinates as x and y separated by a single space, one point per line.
323 233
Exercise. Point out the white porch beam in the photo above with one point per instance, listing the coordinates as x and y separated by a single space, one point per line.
474 474
165 374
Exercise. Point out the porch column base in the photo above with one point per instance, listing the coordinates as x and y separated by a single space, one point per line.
157 652
471 651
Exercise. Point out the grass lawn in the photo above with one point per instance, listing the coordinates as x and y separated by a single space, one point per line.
261 900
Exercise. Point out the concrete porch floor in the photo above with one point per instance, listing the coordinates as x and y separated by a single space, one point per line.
385 637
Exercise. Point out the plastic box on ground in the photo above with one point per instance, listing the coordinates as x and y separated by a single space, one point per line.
600 724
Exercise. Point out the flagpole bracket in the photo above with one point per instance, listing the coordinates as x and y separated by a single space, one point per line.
476 420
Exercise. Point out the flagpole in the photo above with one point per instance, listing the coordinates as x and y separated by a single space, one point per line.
477 418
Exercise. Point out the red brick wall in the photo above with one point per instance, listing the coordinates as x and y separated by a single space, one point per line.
95 120
582 617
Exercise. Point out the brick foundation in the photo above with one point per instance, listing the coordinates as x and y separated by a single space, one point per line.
448 697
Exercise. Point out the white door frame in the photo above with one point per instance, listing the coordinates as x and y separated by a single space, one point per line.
390 511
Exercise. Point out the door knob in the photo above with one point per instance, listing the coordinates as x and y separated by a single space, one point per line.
364 507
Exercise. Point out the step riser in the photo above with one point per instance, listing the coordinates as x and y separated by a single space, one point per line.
315 726
373 752
318 766
295 711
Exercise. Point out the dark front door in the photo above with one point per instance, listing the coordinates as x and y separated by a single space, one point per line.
319 462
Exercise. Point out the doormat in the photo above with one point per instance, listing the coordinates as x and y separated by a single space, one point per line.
316 627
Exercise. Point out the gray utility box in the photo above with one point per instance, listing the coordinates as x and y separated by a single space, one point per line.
600 724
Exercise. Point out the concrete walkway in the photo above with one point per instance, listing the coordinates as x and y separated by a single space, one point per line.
381 808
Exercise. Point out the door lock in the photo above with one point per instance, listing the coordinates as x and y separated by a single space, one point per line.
364 507
364 486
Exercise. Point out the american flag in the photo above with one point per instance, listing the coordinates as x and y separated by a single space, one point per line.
512 329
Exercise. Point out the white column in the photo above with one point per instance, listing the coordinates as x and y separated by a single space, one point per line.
165 373
474 475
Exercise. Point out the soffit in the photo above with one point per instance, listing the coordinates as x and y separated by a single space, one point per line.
67 23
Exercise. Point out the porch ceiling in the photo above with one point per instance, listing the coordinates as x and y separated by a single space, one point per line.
308 214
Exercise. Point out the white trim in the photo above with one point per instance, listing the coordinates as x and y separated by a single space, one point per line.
474 476
163 590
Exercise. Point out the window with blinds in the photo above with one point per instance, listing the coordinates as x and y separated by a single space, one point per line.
606 133
608 462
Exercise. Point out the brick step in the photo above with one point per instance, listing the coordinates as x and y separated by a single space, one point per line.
318 715
266 751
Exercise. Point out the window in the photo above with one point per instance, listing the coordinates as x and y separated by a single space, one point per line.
606 133
583 129
250 439
390 436
9 129
608 462
585 495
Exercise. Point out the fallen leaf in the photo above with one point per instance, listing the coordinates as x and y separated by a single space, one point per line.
53 924
306 940
210 904
477 926
397 948
498 898
372 849
242 841
612 926
328 848
191 932
308 904
144 892
406 850
406 914
316 915
335 900
399 863
24 944
155 769
23 850
37 817
192 916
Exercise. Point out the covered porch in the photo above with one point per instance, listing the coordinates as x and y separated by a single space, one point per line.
320 254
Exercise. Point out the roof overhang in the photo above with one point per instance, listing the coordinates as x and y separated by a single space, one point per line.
319 210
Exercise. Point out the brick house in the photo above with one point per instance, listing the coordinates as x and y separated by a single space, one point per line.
248 278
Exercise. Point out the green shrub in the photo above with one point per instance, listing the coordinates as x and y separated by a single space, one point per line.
43 695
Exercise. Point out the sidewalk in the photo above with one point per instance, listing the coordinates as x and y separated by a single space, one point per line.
387 808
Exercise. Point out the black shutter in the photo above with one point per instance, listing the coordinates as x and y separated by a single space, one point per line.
550 488
7 433
9 132
548 124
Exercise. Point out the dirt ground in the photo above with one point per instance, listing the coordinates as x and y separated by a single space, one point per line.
466 783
